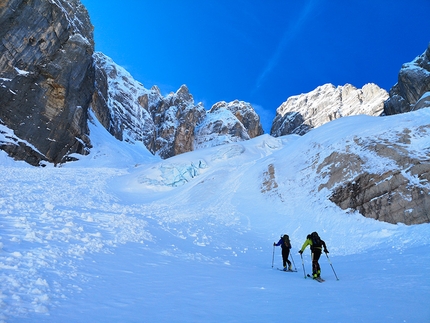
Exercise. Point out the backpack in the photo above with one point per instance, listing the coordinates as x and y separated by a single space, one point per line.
286 239
316 240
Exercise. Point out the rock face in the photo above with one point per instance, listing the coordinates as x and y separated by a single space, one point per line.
301 113
412 90
398 192
46 78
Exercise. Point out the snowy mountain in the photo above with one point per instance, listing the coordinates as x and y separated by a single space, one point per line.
124 236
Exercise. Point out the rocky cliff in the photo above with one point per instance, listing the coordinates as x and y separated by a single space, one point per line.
301 113
46 78
412 90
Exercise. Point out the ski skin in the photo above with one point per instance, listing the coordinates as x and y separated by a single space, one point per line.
287 271
318 279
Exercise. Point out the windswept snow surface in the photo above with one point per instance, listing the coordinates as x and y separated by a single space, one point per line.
122 236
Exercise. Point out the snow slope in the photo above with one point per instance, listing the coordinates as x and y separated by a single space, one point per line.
123 236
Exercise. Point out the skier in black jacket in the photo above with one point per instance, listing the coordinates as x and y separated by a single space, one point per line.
317 246
285 244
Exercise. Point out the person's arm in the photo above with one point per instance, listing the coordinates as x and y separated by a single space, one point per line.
325 247
305 244
279 242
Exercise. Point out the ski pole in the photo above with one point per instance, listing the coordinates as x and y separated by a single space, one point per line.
273 256
291 256
303 265
331 265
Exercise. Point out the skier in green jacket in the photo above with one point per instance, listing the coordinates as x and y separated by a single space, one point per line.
316 244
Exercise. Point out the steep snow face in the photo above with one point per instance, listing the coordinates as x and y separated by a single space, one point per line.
303 112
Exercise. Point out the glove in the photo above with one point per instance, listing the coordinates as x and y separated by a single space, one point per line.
300 252
326 251
274 244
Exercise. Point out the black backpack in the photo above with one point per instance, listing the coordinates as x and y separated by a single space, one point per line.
286 239
316 240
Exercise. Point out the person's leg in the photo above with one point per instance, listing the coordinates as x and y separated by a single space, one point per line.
288 261
284 257
314 265
317 265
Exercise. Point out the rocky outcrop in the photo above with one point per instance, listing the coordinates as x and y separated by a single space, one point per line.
301 113
412 90
175 118
46 78
399 191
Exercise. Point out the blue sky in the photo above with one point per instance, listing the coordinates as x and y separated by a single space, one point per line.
261 52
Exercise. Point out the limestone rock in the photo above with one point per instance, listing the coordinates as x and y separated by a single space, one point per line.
400 192
301 113
46 78
412 90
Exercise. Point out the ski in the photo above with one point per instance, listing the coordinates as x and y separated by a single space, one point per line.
318 279
287 271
